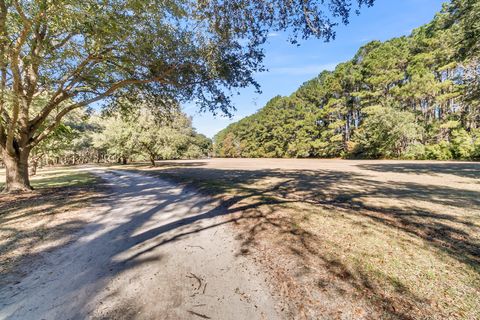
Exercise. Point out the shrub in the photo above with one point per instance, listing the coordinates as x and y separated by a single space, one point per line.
386 132
439 151
463 146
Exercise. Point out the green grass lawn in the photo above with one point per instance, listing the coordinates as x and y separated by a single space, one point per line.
57 177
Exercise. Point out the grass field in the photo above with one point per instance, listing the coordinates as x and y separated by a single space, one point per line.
375 239
45 218
56 177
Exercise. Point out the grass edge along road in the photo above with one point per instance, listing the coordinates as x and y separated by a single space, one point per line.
333 256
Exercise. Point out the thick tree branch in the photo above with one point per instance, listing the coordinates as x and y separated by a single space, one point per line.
62 93
35 140
22 15
18 89
3 67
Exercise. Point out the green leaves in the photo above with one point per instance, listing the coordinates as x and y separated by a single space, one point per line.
145 136
465 15
386 133
409 97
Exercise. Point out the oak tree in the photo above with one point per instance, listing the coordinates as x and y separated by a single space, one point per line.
80 52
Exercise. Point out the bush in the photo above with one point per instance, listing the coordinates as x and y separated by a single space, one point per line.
193 152
463 146
386 133
439 151
415 151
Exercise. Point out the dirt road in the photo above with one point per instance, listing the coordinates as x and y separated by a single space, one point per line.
152 250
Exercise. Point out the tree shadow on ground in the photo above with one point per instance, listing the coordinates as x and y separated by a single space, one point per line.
176 164
162 164
450 226
323 285
442 225
35 224
465 169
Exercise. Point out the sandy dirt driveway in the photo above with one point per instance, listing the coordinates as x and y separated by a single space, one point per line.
152 250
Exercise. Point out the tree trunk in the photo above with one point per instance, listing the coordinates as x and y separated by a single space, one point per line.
16 169
34 167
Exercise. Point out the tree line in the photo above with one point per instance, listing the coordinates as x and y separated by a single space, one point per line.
412 97
120 138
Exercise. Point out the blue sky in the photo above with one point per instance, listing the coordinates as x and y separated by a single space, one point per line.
290 66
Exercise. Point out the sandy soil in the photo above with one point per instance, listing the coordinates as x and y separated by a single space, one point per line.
427 185
34 223
151 250
343 239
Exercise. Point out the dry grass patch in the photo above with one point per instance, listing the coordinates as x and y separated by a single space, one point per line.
360 242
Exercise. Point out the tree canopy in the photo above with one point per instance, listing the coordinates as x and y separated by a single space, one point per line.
143 135
414 97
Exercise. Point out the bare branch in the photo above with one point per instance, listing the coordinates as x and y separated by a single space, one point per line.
63 42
